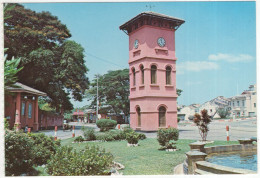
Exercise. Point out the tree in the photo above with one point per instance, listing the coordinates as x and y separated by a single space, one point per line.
179 91
51 63
10 66
202 121
26 30
113 92
223 112
10 72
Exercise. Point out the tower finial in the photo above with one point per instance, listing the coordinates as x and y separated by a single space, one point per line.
150 7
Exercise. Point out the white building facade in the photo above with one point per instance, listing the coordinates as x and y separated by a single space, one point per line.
244 105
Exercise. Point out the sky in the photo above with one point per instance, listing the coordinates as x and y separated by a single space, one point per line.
215 47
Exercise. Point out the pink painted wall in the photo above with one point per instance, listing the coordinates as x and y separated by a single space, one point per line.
147 37
149 97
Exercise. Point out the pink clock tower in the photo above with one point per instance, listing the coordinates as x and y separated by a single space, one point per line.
152 70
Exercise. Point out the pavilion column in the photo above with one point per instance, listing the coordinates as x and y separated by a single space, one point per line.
17 123
36 122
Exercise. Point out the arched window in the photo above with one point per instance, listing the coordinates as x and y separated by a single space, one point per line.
133 71
168 75
162 116
153 74
142 74
138 111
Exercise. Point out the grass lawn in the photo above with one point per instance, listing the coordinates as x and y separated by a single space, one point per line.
145 159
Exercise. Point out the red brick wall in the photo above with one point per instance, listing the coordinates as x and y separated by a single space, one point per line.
49 120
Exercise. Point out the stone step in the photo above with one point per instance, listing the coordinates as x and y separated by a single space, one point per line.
202 172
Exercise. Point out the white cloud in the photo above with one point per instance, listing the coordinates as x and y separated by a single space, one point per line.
196 66
231 57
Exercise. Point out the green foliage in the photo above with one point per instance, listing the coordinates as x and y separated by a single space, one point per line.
88 133
32 29
113 90
23 151
127 129
106 137
44 105
223 112
132 137
142 136
44 147
145 159
8 7
10 71
106 124
179 119
89 161
50 62
79 139
19 153
111 135
117 134
179 91
202 121
166 136
6 124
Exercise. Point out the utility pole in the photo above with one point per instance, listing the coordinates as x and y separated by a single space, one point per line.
97 98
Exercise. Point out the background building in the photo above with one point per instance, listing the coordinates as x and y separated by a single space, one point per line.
244 104
21 109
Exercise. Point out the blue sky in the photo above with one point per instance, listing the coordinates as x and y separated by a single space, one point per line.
215 47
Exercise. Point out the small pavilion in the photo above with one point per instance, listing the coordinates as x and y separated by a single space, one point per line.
21 106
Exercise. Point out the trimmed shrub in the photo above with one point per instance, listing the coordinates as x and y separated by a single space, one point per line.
166 136
132 137
89 161
79 139
117 134
44 147
88 133
127 130
19 153
105 137
142 136
106 124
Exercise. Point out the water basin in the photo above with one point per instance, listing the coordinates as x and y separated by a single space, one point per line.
241 160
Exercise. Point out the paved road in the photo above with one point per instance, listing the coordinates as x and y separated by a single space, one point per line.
238 129
217 130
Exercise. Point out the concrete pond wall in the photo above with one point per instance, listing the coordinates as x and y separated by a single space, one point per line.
196 163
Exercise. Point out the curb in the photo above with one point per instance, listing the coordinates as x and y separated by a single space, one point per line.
178 170
233 120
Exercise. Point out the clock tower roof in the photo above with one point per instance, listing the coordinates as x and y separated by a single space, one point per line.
145 18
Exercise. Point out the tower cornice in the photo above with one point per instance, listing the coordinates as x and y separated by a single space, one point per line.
151 19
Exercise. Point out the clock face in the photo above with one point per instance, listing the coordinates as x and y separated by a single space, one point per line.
136 44
161 42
